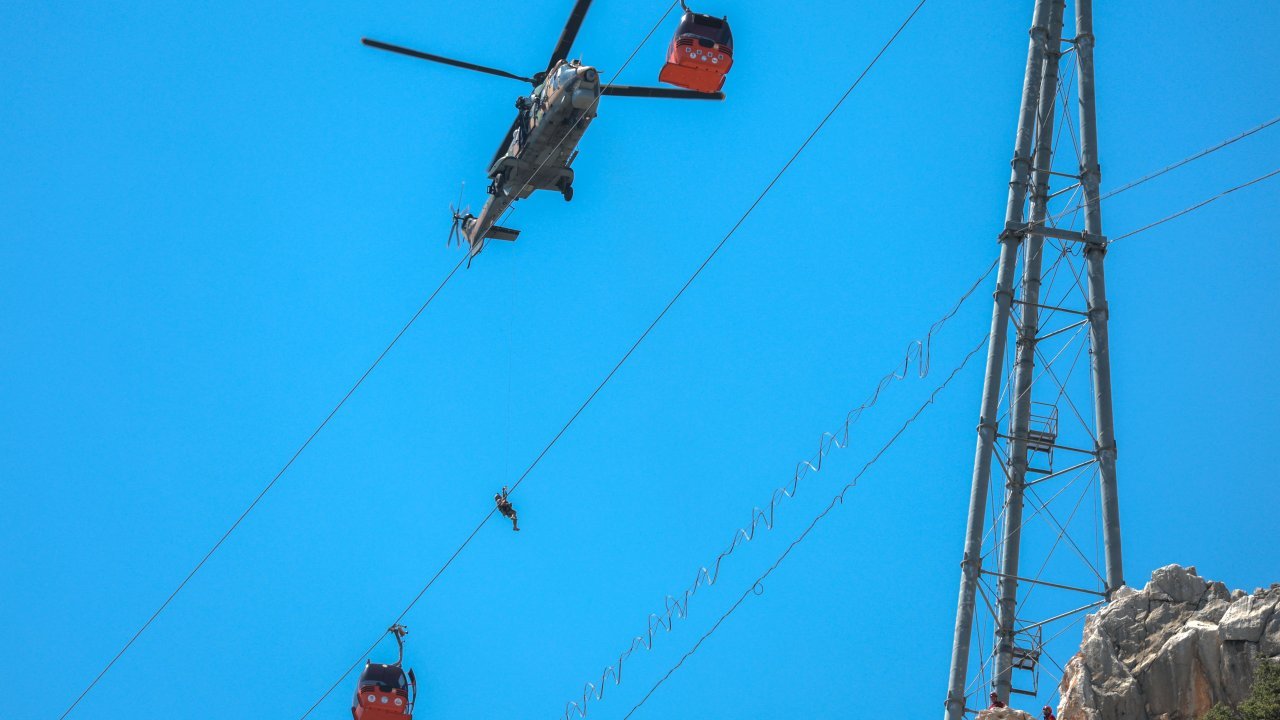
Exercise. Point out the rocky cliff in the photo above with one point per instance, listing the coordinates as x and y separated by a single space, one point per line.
1170 651
1004 713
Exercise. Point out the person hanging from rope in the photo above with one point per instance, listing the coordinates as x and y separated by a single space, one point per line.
1048 713
995 700
507 510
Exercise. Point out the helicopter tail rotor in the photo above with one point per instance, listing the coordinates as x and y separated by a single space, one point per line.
457 232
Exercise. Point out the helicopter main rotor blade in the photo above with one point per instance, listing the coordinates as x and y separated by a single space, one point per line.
378 44
658 92
565 43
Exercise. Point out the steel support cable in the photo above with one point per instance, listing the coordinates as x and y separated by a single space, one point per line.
1043 367
979 678
487 517
1062 385
1049 517
919 352
1058 634
1057 679
756 587
1004 386
1197 156
1192 158
1063 96
1027 519
675 299
985 659
1050 283
1038 377
996 448
1062 532
1197 206
401 616
262 493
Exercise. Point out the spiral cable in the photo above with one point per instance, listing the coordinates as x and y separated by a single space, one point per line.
757 586
918 352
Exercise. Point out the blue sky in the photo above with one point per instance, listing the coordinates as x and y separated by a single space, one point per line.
216 216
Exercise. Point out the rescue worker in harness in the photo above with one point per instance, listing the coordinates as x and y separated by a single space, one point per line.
507 510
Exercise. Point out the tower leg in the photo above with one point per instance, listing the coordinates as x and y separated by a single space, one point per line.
971 563
1031 173
1099 347
1025 362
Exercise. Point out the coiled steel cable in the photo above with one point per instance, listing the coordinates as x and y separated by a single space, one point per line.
757 586
918 352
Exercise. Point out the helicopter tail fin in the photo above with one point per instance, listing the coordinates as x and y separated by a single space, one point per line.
497 232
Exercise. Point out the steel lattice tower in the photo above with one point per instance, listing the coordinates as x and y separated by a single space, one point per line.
1032 418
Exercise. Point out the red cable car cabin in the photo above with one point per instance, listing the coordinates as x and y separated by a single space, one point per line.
383 694
701 53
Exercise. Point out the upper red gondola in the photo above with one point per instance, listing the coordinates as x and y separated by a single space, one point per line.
700 54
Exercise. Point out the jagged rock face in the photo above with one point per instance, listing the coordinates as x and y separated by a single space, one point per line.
1004 713
1170 651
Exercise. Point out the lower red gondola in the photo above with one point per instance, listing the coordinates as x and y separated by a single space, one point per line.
385 692
700 54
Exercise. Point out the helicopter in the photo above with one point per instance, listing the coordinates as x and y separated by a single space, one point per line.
538 151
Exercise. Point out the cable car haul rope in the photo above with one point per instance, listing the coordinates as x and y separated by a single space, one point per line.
698 60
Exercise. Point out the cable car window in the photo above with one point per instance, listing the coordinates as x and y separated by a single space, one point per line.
712 28
386 677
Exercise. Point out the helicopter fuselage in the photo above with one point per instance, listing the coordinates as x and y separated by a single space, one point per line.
538 150
540 146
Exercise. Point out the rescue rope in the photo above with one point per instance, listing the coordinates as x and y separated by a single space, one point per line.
549 445
679 293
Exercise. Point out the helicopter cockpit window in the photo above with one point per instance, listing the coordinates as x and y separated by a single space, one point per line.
386 677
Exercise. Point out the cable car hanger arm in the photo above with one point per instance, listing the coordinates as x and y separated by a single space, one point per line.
658 92
379 45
